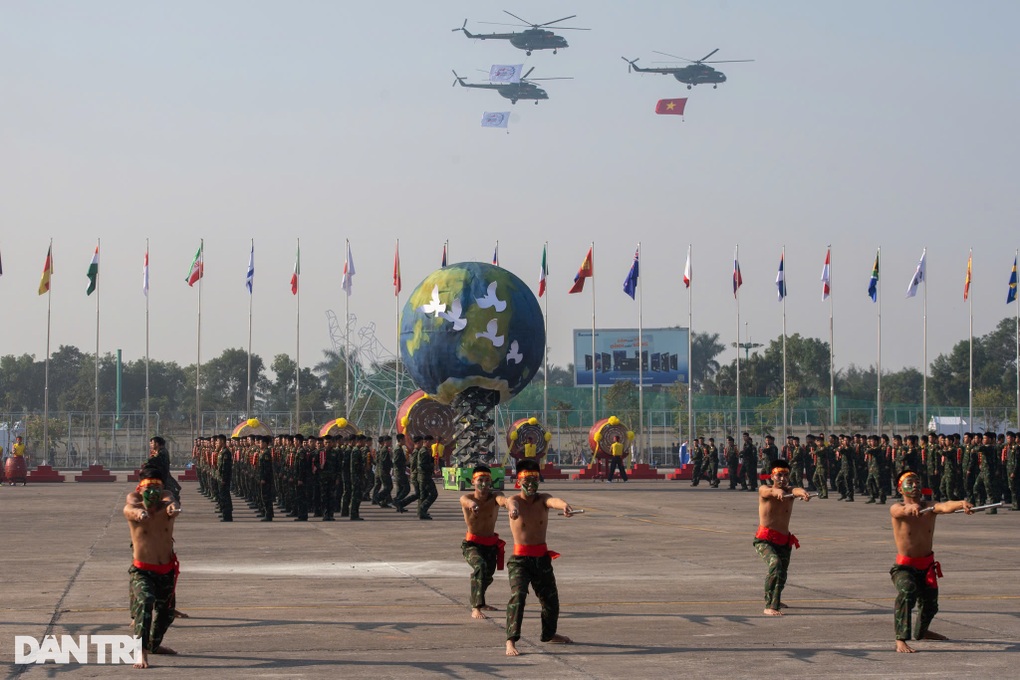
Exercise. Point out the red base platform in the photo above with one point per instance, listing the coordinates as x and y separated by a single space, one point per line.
96 473
44 474
685 472
644 471
189 475
550 471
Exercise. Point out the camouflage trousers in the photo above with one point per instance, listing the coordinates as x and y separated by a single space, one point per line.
482 559
538 573
777 559
821 481
911 589
875 489
152 605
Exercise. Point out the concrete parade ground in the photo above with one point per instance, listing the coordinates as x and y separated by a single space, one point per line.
657 580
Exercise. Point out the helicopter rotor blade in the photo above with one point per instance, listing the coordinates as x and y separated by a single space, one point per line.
528 73
554 78
464 27
456 77
549 23
520 19
709 54
571 28
725 61
673 56
503 23
630 63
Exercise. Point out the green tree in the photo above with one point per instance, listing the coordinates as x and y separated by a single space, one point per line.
705 347
621 400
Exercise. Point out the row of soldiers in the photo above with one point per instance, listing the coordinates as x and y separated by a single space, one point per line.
981 468
317 476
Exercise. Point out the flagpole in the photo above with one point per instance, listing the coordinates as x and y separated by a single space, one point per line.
95 400
251 296
594 367
46 370
924 325
690 361
832 350
785 419
148 432
396 343
198 344
878 373
736 295
545 358
640 363
347 339
970 311
297 345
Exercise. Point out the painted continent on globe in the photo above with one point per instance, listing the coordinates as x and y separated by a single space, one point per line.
472 324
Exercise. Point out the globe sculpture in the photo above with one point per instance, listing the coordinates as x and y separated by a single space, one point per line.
472 336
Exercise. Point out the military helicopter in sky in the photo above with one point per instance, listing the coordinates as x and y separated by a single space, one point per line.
534 38
698 73
525 89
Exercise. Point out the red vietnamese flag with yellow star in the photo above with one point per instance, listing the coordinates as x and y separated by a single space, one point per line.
671 106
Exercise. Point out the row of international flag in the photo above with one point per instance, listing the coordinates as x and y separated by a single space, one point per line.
587 270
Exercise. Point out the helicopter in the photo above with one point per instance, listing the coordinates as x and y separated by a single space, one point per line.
698 73
534 38
525 89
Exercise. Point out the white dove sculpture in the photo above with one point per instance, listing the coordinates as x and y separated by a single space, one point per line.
435 306
490 334
490 300
454 316
514 354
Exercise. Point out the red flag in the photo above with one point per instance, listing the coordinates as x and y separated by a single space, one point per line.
738 280
587 269
396 270
297 273
671 106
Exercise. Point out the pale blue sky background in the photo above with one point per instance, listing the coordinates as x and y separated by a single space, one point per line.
860 124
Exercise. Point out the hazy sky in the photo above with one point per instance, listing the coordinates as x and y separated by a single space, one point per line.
860 124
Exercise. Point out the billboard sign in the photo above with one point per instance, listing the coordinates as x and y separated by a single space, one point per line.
663 356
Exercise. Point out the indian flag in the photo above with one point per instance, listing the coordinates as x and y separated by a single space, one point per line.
93 272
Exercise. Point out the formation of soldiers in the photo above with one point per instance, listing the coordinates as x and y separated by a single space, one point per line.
979 468
316 476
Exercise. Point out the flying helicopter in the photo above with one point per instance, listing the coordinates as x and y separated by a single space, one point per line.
534 38
698 73
525 89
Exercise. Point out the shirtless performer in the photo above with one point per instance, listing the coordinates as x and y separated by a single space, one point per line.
531 563
150 513
482 546
916 572
773 541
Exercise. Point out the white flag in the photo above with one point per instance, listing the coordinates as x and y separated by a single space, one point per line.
505 73
919 275
347 282
495 119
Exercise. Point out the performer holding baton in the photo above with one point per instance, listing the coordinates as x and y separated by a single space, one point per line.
916 572
773 542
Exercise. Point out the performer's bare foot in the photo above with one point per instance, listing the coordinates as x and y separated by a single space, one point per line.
901 646
511 648
934 636
488 608
476 613
772 612
558 639
163 649
143 662
178 614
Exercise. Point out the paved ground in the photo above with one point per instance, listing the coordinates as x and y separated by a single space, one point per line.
657 580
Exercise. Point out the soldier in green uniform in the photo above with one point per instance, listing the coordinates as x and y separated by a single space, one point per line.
346 487
426 481
266 479
698 462
357 473
847 466
749 463
821 478
224 473
987 485
732 462
400 470
712 458
875 458
1012 471
386 460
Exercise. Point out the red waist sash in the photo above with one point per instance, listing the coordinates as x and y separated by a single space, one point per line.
161 569
779 538
539 550
927 564
489 541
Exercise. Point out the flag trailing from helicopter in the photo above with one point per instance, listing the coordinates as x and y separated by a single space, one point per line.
495 119
505 73
673 107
